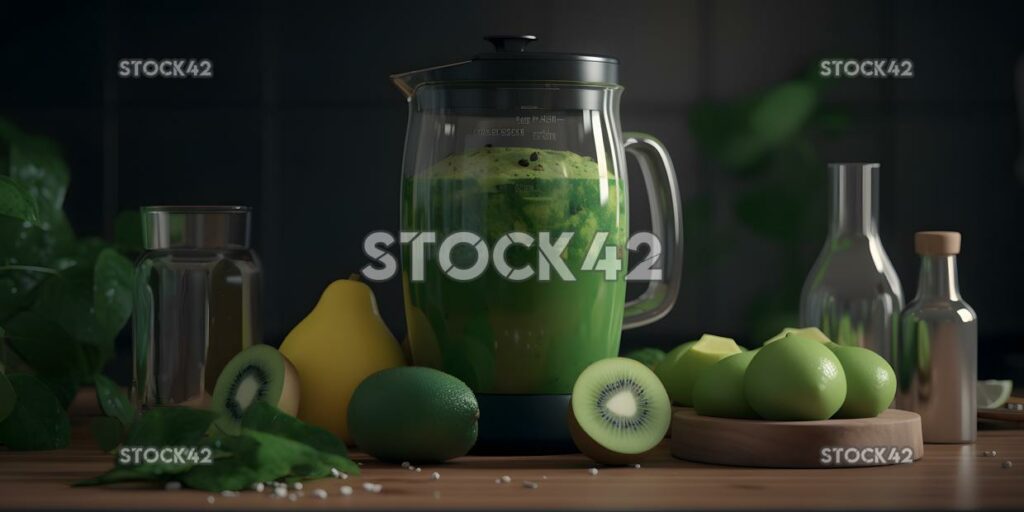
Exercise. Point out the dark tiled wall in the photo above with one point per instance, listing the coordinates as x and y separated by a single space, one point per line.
301 121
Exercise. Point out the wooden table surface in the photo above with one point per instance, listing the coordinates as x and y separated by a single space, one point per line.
948 477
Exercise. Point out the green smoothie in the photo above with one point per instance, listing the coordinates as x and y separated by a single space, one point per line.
497 335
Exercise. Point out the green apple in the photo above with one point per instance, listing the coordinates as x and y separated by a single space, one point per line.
812 333
678 374
870 382
719 389
795 378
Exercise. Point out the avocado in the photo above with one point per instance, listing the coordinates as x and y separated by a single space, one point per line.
414 414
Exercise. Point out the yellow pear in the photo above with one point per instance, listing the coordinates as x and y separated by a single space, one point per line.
340 343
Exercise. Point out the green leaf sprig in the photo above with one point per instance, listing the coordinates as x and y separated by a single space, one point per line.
63 299
270 446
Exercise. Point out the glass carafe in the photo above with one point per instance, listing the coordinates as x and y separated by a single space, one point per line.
197 301
503 148
852 292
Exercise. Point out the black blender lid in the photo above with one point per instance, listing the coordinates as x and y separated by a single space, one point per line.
510 61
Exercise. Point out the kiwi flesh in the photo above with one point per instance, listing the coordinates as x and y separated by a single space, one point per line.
258 373
619 411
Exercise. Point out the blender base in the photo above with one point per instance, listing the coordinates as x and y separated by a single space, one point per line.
523 425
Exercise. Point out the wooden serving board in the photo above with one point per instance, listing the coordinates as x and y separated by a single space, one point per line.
1003 413
894 435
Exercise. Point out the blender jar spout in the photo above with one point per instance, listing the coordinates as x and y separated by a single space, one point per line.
409 80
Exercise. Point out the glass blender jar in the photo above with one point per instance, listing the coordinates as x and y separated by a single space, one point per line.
521 157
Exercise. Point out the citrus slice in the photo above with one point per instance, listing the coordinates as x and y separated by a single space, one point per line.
993 394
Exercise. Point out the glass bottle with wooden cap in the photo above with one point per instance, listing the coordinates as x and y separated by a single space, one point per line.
937 349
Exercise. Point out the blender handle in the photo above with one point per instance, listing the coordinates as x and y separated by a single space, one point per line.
667 222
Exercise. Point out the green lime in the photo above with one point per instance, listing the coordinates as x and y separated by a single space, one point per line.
795 378
719 389
993 394
812 333
679 373
414 414
870 382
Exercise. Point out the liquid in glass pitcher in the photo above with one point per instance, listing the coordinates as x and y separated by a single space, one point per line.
516 232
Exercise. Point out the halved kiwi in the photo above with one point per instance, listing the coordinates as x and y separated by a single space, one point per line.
619 411
258 373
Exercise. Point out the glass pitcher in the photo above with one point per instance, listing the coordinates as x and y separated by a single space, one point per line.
503 148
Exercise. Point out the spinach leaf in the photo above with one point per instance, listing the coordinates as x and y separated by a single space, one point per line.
58 360
16 202
113 401
260 456
43 344
264 417
170 426
239 460
37 422
67 298
113 281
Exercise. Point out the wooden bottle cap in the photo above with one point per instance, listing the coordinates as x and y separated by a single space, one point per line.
937 243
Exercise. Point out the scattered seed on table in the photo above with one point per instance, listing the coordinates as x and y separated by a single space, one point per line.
406 464
530 484
280 492
636 466
345 490
210 499
497 480
372 487
320 493
506 479
258 487
229 494
435 476
592 471
297 486
293 497
172 486
1007 464
543 477
419 470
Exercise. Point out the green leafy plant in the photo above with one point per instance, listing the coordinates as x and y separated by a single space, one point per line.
765 143
63 298
270 446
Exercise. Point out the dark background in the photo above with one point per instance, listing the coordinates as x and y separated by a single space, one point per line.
301 122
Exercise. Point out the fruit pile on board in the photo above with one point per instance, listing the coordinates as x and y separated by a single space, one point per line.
341 370
798 375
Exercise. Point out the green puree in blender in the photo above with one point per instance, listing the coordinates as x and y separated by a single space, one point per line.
500 336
